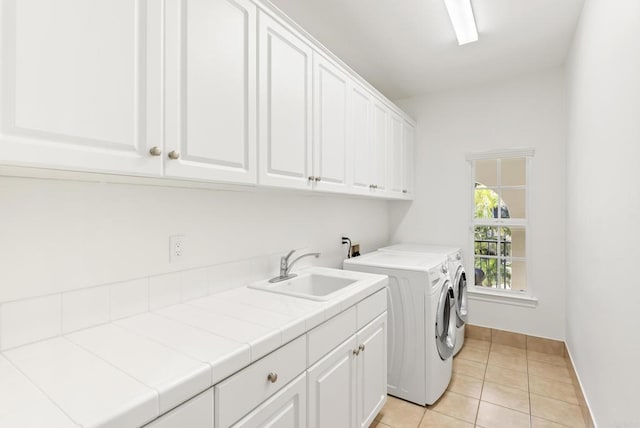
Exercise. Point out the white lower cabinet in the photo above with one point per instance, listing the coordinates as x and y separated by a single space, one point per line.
332 388
348 387
335 376
371 389
286 409
195 413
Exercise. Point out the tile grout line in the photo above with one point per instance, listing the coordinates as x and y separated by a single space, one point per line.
484 376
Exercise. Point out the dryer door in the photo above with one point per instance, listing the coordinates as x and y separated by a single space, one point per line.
460 289
445 322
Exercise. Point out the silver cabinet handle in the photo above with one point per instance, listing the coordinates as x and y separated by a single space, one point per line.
155 151
356 352
174 155
370 186
375 186
272 377
361 347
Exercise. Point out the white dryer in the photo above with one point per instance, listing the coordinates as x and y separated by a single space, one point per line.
422 322
456 273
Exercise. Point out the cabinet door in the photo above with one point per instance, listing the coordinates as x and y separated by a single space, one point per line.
395 161
210 71
372 370
330 125
81 84
409 162
380 129
286 409
361 141
285 76
195 413
332 388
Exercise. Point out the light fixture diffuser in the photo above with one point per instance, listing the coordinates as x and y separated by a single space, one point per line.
463 21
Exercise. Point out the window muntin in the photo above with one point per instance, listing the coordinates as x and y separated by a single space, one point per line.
499 231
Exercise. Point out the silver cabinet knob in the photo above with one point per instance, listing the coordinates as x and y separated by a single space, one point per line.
356 352
405 191
375 186
272 377
370 186
317 179
155 151
361 347
310 178
174 155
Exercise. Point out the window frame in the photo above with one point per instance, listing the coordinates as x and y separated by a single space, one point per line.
479 292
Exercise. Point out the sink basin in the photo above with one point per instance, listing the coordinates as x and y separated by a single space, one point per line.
311 286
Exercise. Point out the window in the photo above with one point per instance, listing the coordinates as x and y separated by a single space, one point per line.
499 219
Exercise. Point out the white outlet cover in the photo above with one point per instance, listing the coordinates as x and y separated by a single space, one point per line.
176 248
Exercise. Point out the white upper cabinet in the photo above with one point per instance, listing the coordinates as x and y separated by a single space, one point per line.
395 152
210 72
362 141
380 130
285 82
330 95
81 84
409 162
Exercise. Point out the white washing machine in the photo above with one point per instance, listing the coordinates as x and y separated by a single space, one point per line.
422 322
456 273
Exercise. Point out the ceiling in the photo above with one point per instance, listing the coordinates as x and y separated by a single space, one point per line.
408 47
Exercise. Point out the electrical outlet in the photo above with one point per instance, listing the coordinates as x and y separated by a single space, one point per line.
176 248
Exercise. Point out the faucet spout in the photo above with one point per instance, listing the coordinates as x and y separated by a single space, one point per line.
316 255
285 266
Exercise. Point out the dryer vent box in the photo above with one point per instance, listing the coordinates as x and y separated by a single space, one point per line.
355 250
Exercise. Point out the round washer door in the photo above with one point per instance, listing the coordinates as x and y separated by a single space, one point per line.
460 289
445 324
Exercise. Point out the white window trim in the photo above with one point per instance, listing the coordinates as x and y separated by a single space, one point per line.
516 298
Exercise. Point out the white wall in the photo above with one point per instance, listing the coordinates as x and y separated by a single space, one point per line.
59 235
528 111
602 209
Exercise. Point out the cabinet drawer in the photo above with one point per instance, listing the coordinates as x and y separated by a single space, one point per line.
287 408
242 392
195 413
371 307
330 334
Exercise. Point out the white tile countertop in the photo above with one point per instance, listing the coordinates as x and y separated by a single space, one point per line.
128 372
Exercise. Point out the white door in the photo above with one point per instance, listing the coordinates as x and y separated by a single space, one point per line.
361 139
195 413
395 160
330 95
409 162
332 388
372 370
81 84
286 409
380 129
285 77
210 72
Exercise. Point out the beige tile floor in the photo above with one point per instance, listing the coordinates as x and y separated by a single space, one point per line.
495 386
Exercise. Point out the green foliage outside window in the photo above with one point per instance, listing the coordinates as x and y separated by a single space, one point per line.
491 241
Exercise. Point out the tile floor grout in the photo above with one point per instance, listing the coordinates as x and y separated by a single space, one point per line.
503 361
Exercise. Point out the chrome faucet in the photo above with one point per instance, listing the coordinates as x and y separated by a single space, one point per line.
285 266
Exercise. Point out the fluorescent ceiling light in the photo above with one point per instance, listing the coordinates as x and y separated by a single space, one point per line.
464 24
